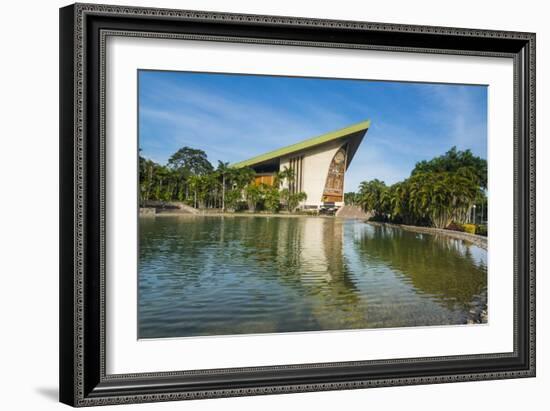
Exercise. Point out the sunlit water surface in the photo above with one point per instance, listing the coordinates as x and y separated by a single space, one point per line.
234 275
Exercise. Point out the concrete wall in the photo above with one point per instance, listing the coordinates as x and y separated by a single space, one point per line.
147 211
315 168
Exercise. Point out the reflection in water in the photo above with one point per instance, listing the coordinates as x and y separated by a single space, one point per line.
233 275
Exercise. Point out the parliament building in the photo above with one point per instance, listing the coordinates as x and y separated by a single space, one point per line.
319 164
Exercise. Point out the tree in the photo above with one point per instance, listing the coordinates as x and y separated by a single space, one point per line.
291 200
238 179
189 169
438 192
440 197
253 193
284 196
184 163
241 177
350 198
193 160
232 197
194 184
211 185
295 199
223 169
271 198
145 178
286 175
398 205
452 161
371 194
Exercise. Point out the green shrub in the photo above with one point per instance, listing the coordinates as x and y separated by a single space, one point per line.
481 230
470 228
455 227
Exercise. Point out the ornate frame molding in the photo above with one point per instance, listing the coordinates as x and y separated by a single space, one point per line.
82 301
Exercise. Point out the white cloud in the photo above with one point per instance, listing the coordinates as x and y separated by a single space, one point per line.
456 110
215 118
232 127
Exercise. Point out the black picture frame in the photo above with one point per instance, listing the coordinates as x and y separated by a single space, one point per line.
83 29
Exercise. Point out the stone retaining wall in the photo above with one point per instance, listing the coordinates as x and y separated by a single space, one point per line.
173 207
475 239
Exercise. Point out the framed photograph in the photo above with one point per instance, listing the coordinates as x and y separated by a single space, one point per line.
261 204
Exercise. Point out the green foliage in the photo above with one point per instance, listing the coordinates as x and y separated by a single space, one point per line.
437 193
442 197
232 198
286 175
156 182
253 194
455 227
190 161
272 200
351 198
176 181
239 178
454 160
372 196
189 177
284 196
481 229
202 187
295 199
233 182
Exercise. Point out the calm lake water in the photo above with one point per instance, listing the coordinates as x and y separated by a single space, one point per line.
234 275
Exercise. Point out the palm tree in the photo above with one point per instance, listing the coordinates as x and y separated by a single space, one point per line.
295 199
271 197
223 169
242 177
284 196
399 202
287 174
441 197
253 193
193 185
350 198
371 195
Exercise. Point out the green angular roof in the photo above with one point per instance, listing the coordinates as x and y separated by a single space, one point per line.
302 145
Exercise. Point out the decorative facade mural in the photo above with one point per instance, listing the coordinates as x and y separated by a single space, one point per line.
334 186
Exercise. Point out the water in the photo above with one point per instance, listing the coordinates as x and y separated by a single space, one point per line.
234 275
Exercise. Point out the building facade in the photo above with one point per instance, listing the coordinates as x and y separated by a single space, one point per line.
319 165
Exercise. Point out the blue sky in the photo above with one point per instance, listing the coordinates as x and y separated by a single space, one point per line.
234 117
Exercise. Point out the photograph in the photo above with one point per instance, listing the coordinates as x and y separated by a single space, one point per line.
278 204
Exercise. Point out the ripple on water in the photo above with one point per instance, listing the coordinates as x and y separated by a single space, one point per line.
219 276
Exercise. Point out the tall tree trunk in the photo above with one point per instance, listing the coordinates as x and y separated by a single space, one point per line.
150 180
223 193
